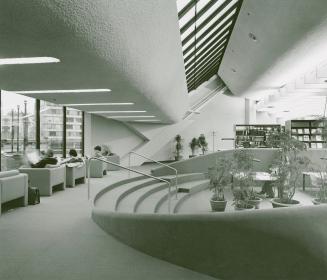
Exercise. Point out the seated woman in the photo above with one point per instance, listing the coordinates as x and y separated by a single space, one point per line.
47 159
106 151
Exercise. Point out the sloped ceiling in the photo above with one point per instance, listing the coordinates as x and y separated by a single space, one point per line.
273 43
129 46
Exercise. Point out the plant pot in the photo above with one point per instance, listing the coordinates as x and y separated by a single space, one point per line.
277 202
243 207
218 205
255 202
316 201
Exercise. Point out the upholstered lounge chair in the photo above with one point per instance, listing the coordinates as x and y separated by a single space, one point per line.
114 159
13 186
46 178
75 171
97 168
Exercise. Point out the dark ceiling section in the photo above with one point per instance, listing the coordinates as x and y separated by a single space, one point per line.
205 27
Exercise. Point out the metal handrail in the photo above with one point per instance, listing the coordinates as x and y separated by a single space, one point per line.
129 169
158 162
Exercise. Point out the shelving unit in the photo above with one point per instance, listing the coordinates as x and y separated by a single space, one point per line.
253 136
309 132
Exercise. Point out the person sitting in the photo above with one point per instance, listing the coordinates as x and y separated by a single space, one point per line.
73 157
106 151
97 151
47 159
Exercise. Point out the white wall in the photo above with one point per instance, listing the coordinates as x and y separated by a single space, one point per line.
100 130
220 115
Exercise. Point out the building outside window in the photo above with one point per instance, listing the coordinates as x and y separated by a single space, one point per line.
17 128
51 127
74 130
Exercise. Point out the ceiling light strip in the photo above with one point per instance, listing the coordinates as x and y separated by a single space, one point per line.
28 60
62 91
111 112
100 104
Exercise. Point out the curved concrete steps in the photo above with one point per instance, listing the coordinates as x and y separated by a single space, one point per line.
130 199
109 197
189 189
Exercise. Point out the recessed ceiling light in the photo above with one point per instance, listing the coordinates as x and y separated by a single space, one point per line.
120 117
233 70
62 91
100 104
286 111
270 107
28 60
109 112
252 36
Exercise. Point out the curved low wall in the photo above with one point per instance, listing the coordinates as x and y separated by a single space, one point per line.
277 244
203 162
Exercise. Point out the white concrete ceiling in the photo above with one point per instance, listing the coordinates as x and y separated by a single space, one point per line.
129 46
290 37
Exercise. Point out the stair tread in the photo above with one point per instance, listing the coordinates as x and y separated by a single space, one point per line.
108 199
149 203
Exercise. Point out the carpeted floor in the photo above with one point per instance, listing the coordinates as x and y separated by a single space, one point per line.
58 240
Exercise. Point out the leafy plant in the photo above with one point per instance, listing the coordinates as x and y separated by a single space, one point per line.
203 144
242 170
194 144
178 146
288 165
220 176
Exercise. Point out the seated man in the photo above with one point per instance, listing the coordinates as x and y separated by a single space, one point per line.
73 157
47 159
97 151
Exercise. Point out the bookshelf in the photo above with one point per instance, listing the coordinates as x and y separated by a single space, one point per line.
309 132
254 135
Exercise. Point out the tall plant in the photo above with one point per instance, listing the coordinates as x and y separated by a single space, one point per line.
288 164
242 170
220 176
194 144
203 143
178 146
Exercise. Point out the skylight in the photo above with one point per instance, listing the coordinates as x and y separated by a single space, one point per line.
205 27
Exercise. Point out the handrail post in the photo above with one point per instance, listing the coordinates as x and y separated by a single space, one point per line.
176 180
129 169
88 179
169 200
129 164
162 164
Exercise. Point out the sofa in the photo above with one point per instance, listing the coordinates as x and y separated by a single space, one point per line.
46 178
13 185
75 171
97 168
114 159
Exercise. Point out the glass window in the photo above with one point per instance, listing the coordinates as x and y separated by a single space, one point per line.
51 127
17 128
74 130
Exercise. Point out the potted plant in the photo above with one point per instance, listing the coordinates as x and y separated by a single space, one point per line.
203 144
178 147
219 177
242 170
288 166
194 144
